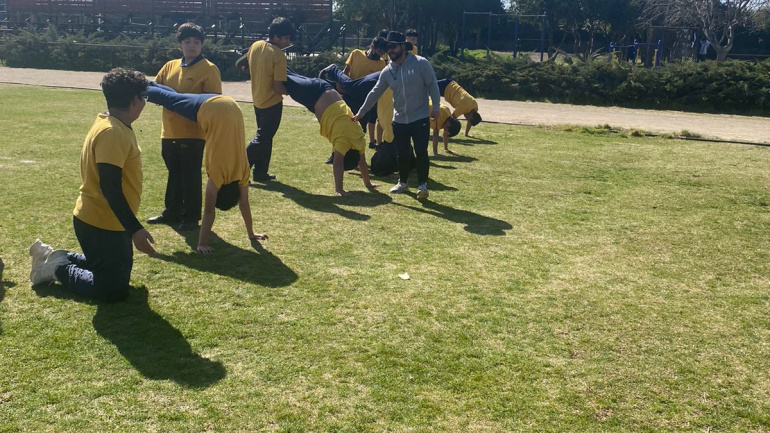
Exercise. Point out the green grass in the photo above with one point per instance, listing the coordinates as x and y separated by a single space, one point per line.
560 281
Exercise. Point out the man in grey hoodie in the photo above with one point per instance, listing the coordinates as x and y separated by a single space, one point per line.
412 80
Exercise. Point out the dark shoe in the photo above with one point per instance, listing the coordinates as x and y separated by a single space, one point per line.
372 145
264 178
161 219
330 160
324 74
187 226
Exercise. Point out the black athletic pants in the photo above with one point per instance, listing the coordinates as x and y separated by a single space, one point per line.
260 150
404 134
183 160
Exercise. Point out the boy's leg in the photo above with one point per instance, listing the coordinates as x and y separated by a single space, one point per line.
170 151
260 149
109 258
191 158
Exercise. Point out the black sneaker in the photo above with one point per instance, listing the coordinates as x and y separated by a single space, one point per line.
324 74
372 145
162 219
264 178
330 160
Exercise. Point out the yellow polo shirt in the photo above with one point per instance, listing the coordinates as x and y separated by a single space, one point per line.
361 66
221 121
267 63
444 114
342 133
460 100
202 77
109 141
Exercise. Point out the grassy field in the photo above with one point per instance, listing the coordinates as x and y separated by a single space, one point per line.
559 281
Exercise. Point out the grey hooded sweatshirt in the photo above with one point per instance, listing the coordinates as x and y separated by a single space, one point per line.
412 82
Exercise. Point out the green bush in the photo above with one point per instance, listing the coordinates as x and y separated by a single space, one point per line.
726 87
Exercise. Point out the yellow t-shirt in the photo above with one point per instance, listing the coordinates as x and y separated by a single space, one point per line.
267 63
202 77
385 114
414 50
342 133
444 114
461 100
109 141
221 121
361 66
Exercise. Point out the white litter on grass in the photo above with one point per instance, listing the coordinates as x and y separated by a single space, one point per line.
26 161
404 276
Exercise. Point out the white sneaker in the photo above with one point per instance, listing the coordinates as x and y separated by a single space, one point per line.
45 260
39 252
422 191
400 187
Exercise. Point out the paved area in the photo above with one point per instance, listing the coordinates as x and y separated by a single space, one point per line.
750 129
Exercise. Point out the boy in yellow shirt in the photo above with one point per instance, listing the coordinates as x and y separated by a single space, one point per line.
221 123
181 140
105 211
267 67
462 101
447 124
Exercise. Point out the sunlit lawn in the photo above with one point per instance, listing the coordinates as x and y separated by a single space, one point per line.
558 281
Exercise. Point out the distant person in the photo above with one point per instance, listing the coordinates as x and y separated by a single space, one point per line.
413 81
267 67
105 211
334 117
181 140
703 48
463 103
412 37
448 125
221 121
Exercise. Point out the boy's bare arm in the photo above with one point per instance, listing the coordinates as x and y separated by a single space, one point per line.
338 167
364 169
243 205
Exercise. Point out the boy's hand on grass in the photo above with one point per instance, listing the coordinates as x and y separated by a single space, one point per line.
373 186
142 240
258 236
205 249
342 193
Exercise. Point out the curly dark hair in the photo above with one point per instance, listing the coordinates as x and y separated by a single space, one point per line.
454 127
121 85
187 30
280 27
228 196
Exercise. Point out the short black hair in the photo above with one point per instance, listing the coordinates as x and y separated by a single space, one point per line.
228 196
121 85
383 33
351 159
190 30
379 43
454 126
280 27
411 32
475 118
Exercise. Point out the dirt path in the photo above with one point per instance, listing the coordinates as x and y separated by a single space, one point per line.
725 127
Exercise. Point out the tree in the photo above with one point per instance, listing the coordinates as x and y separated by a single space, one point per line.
716 19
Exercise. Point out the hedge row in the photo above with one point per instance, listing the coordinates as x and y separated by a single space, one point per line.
727 87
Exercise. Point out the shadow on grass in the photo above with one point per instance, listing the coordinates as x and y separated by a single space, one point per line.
466 141
146 340
258 267
452 158
387 181
329 204
474 223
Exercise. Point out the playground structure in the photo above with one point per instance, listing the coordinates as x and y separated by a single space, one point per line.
516 29
244 20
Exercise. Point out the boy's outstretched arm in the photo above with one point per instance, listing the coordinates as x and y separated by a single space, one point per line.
243 205
338 167
209 212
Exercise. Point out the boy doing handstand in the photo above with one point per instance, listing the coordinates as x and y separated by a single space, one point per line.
221 121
